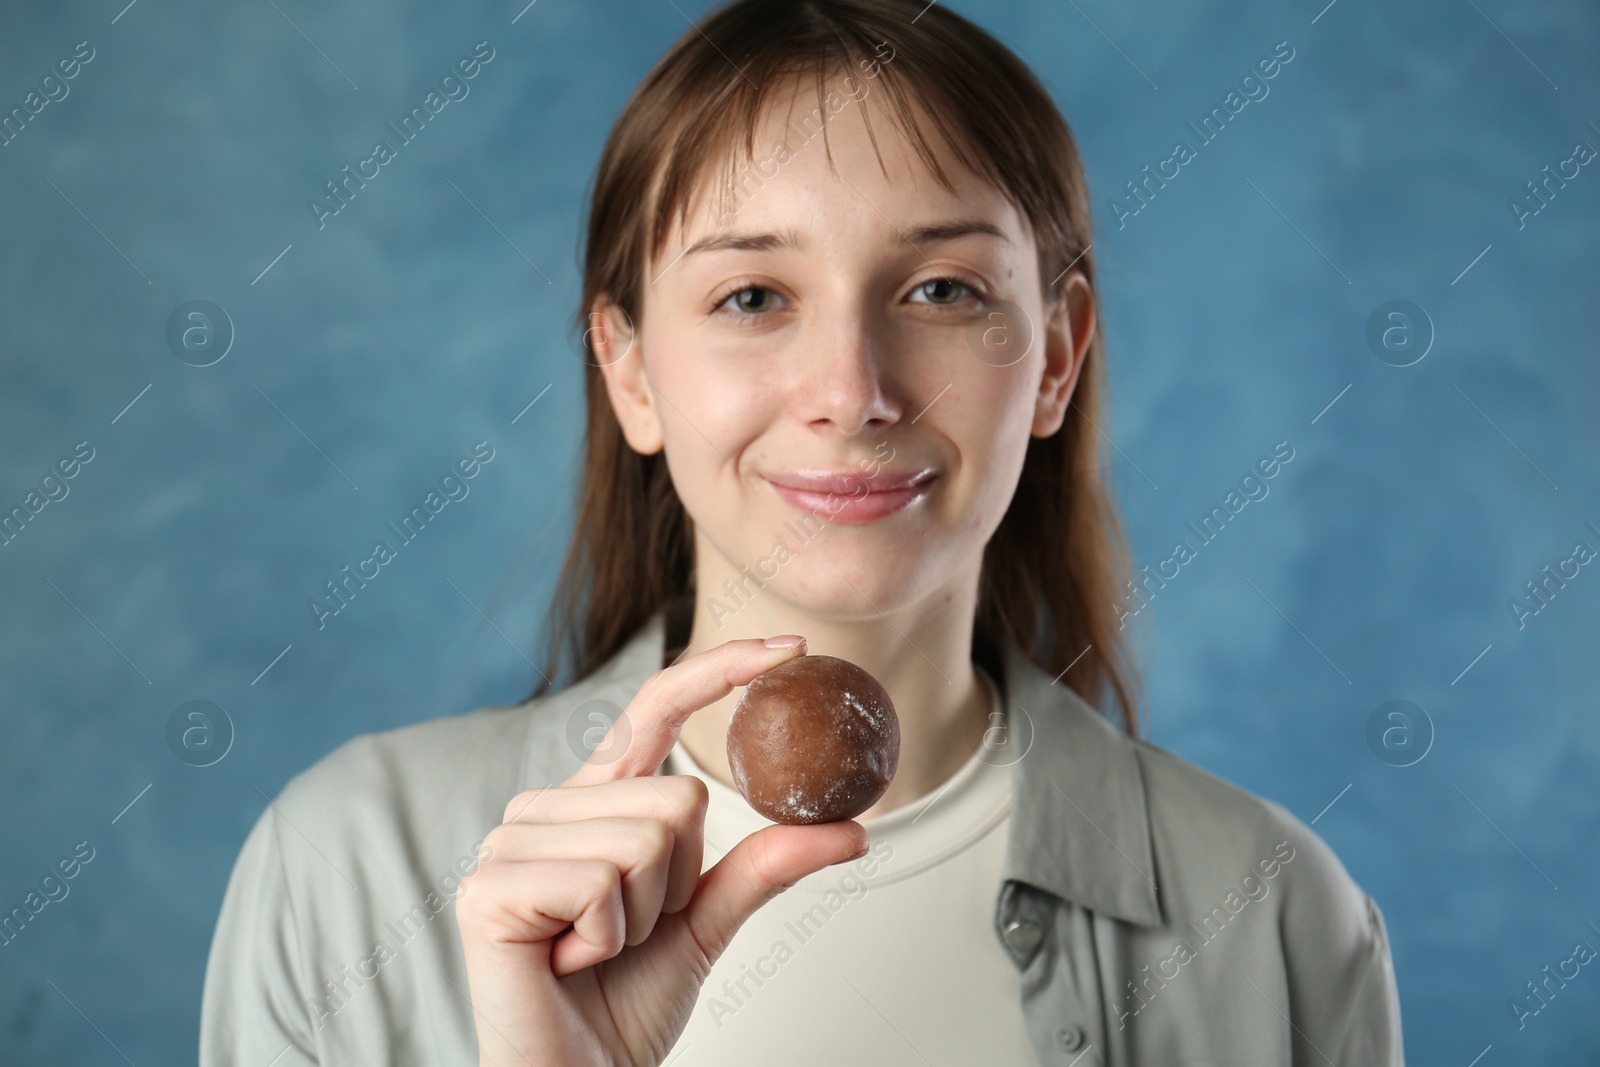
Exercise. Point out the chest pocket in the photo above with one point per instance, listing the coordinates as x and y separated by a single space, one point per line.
1051 942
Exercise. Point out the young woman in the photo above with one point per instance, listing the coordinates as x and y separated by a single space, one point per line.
843 397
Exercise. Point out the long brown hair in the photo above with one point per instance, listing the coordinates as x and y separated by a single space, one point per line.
1054 571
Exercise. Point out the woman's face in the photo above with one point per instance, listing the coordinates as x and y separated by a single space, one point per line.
840 369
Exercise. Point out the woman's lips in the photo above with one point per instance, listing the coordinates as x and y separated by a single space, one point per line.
855 506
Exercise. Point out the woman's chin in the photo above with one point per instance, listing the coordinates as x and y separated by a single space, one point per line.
839 594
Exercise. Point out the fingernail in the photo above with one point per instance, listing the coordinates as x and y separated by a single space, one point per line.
785 641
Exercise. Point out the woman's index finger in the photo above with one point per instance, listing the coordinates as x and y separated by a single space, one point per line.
638 742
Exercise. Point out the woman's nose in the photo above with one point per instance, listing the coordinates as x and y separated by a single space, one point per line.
847 382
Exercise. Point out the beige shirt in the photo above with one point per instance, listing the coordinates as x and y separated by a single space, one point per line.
1150 912
895 950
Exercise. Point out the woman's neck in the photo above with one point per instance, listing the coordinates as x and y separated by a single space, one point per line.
922 656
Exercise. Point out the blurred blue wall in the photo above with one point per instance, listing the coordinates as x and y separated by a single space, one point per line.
426 316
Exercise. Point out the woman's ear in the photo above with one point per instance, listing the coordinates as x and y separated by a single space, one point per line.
1067 334
611 342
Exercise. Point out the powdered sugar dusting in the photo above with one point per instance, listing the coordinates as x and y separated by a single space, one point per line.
834 791
873 713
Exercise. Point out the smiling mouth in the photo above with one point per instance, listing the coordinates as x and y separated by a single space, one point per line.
850 497
845 482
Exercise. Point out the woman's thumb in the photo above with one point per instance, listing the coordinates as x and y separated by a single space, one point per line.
759 868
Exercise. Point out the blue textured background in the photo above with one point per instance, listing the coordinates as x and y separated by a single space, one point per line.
428 314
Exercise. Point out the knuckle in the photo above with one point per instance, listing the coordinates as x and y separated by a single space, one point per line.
519 804
496 840
658 838
615 940
698 792
604 880
686 800
602 877
688 795
761 859
476 895
730 666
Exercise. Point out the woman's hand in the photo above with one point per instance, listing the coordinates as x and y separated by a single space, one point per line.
589 931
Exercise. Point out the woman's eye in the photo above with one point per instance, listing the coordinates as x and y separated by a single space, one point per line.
944 292
756 300
752 300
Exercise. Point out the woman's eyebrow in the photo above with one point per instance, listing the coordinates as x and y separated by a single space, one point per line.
952 229
746 241
928 233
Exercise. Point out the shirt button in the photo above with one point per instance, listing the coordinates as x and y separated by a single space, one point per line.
1069 1038
1022 935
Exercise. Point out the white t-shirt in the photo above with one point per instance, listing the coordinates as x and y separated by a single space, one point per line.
847 963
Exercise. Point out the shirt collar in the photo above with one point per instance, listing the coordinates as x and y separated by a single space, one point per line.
1080 825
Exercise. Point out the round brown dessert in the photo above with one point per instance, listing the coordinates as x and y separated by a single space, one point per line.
815 739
